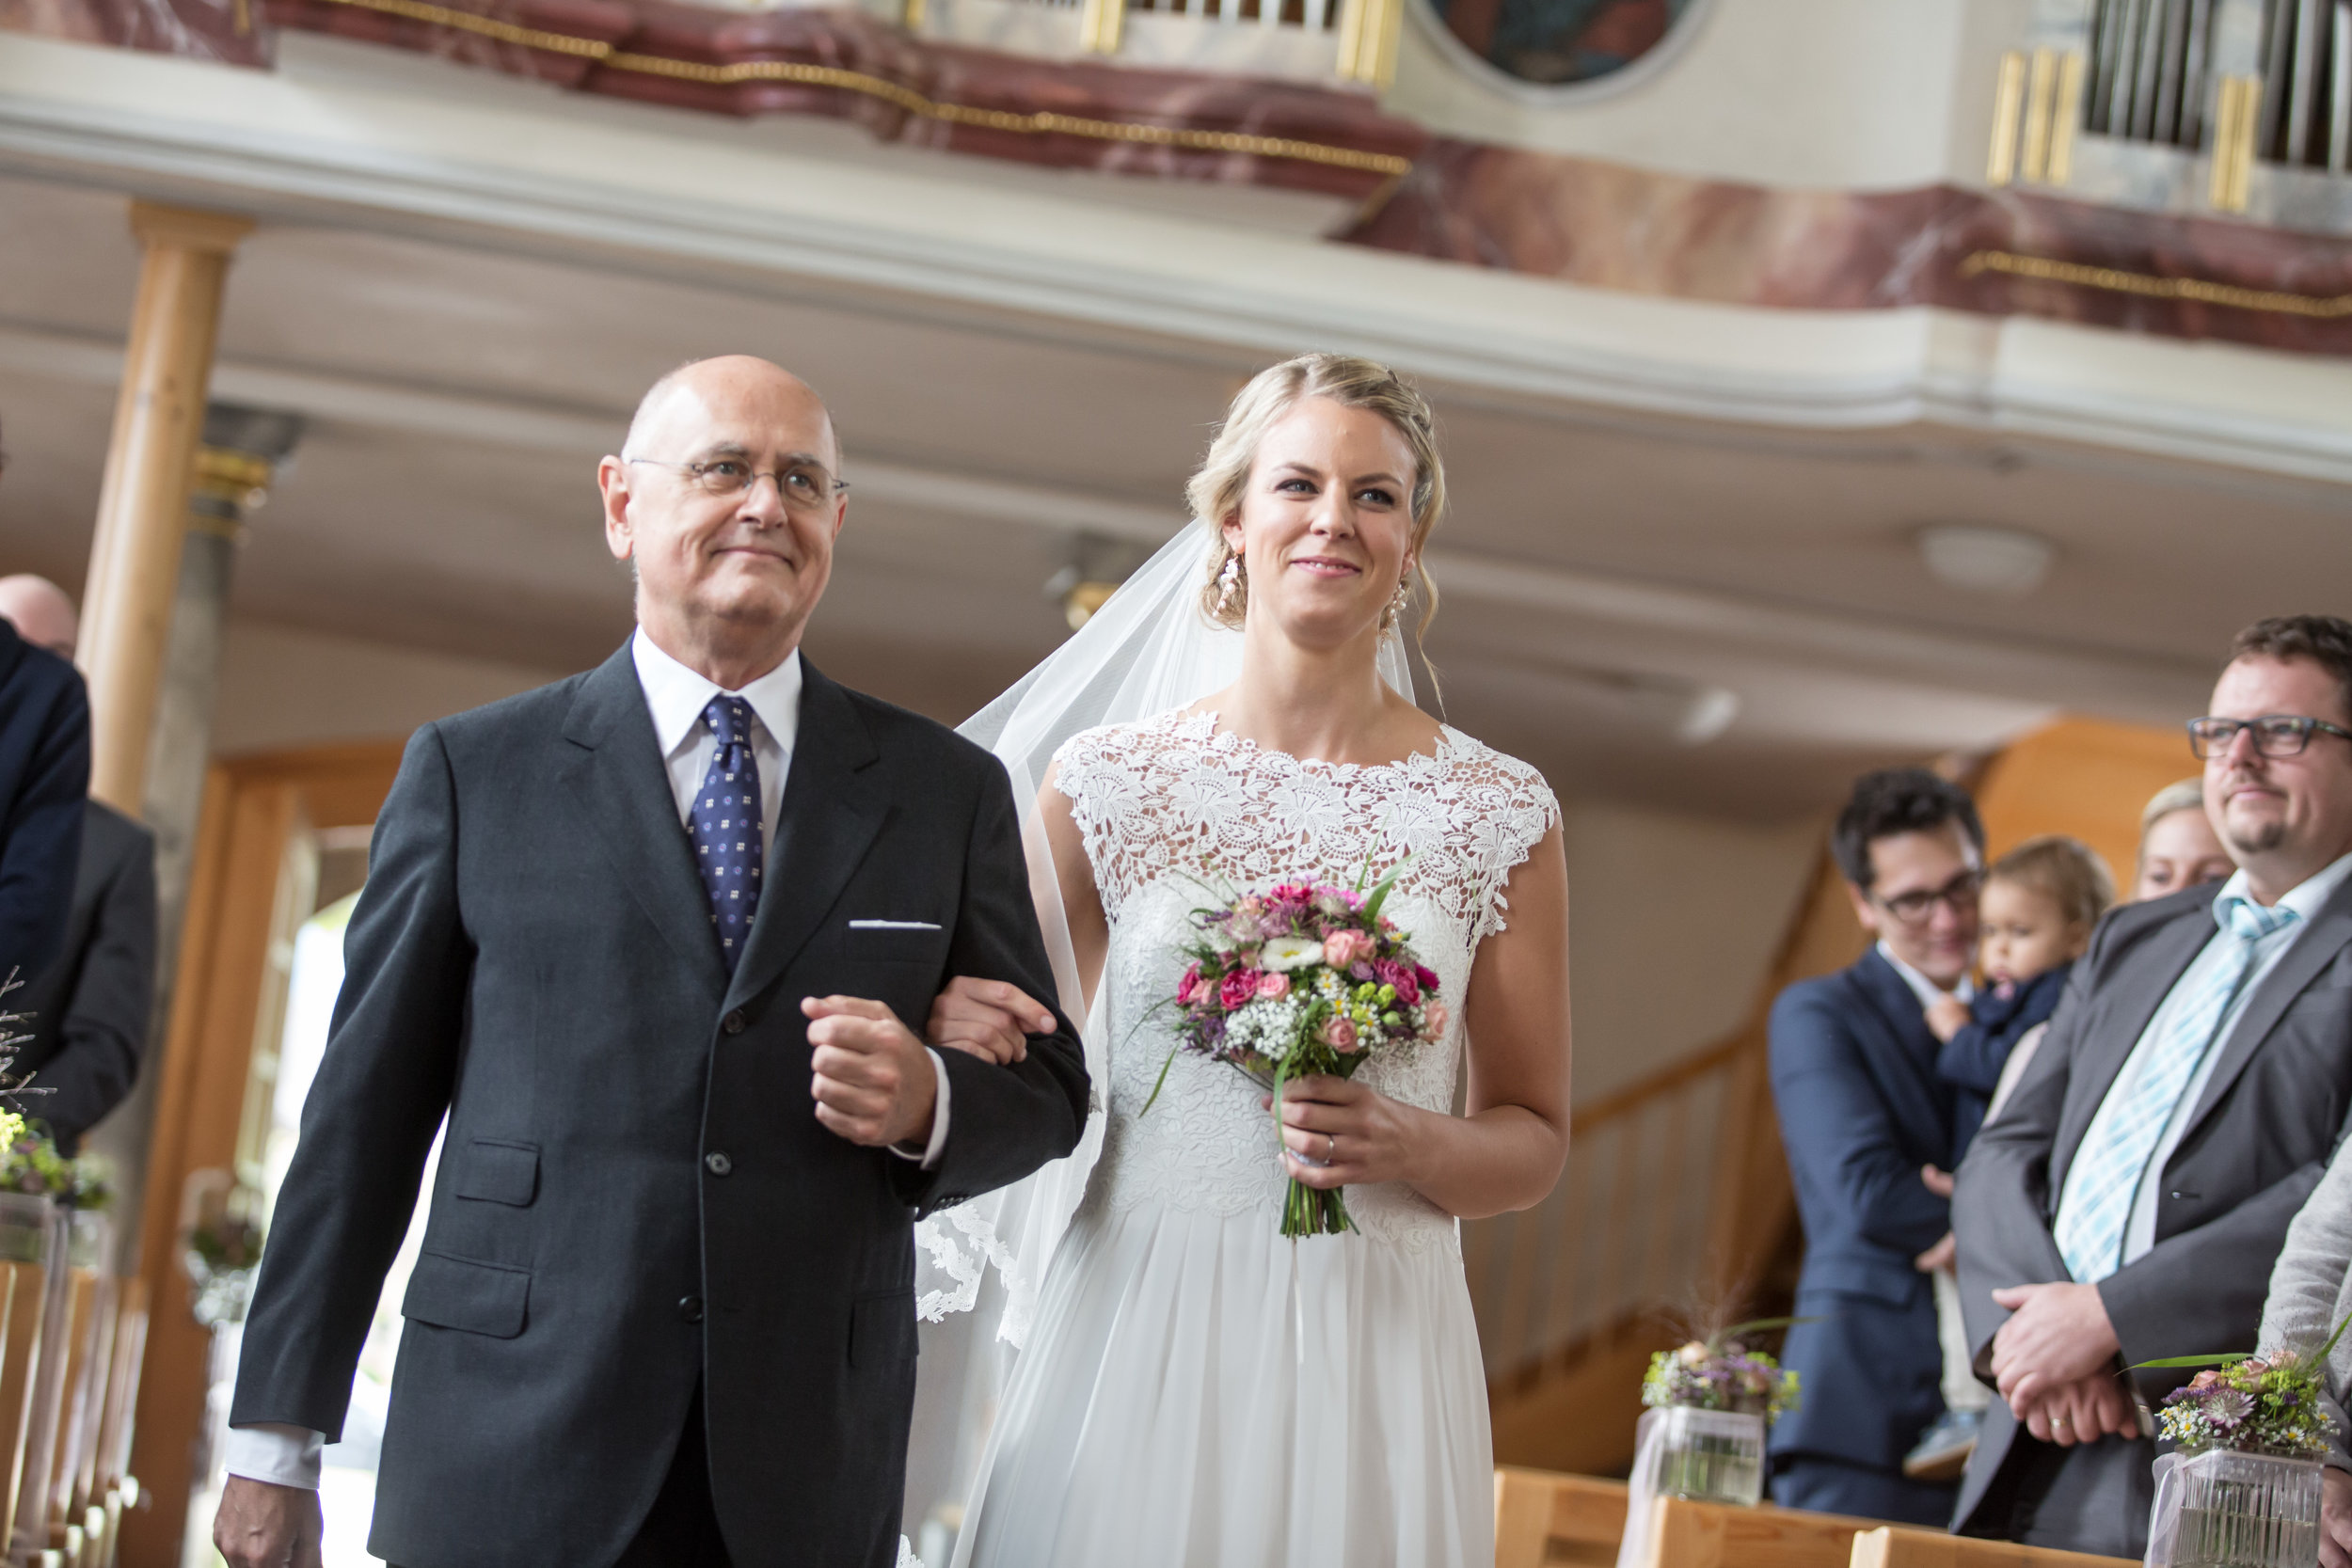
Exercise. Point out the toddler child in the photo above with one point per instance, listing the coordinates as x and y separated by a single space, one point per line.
2034 917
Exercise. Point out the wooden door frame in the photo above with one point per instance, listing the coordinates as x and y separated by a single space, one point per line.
253 808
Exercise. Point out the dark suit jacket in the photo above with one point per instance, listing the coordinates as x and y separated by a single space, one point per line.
44 778
91 1008
634 1193
2259 1139
1861 1110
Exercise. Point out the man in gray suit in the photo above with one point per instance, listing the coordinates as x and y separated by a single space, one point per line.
2130 1199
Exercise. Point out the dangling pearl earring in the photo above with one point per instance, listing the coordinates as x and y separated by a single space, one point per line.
1229 581
1399 601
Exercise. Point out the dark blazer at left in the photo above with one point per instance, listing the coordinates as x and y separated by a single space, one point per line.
634 1194
1861 1110
90 1007
44 777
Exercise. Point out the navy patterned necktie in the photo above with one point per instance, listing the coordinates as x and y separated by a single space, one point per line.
725 827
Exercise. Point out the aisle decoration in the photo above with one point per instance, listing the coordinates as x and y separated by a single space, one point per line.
1300 980
223 1255
1702 1437
2243 1489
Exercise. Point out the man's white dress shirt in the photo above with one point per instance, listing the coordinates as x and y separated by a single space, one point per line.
1927 991
675 697
2306 900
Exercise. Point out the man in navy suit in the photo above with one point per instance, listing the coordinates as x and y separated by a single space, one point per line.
45 775
1861 1112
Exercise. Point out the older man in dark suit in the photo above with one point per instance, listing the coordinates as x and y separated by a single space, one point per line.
1861 1112
89 1007
655 941
2130 1199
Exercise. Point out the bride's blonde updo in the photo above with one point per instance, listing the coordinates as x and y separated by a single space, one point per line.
1215 491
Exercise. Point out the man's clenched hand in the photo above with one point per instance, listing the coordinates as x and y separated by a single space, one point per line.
263 1526
874 1082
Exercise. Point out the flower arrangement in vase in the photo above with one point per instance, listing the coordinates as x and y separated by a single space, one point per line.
2243 1489
1711 1402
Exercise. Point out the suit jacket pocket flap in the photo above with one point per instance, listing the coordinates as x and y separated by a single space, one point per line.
499 1173
459 1292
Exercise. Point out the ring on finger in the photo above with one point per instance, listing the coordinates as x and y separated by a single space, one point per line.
1330 1147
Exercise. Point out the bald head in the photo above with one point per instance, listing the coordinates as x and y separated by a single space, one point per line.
684 404
40 612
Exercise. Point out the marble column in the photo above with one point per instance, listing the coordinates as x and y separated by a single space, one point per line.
242 450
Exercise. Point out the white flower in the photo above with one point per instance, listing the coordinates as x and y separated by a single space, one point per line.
1284 954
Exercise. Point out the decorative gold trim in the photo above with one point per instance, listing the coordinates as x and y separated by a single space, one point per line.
1368 40
910 15
1099 25
2066 117
2009 95
2114 280
1042 123
2040 97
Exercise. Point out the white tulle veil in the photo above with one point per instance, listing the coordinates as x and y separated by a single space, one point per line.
1148 649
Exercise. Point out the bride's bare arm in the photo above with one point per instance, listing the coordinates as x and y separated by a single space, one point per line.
990 1017
1506 1153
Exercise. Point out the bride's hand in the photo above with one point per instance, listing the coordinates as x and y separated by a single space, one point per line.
1359 1135
988 1018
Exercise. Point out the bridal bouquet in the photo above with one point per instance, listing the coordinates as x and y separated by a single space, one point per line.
1300 980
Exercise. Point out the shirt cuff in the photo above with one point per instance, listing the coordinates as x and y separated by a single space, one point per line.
273 1451
938 1146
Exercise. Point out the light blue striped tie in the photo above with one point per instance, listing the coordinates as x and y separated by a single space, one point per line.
2091 1227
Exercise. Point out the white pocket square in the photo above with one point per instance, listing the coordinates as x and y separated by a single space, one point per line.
893 926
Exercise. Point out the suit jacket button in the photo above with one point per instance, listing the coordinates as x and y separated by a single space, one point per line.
733 1022
718 1164
690 1308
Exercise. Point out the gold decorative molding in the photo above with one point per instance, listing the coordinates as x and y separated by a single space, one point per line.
2147 286
2040 98
1099 25
2237 118
2065 117
1368 39
2009 97
1040 123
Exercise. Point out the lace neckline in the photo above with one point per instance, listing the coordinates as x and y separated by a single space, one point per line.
1200 728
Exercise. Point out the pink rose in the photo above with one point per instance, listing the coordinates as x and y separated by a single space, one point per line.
1433 1020
1237 989
1427 978
1391 972
1273 986
1346 948
1338 1034
1188 988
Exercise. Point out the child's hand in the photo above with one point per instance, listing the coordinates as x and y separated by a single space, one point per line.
1937 1182
1947 1016
1940 1256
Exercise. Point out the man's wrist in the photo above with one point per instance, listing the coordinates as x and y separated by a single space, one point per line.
277 1452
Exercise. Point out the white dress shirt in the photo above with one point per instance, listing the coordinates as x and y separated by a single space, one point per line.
1927 991
675 696
2306 900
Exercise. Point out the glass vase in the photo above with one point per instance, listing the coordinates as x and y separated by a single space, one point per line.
1711 1456
2243 1510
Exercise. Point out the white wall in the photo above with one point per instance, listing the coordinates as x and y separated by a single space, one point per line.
1811 94
282 686
1672 921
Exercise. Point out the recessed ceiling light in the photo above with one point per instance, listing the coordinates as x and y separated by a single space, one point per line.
2006 562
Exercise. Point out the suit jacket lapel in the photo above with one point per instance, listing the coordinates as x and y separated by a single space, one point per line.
2169 954
825 823
616 773
2296 968
1891 997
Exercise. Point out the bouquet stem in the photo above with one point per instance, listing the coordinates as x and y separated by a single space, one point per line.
1315 1210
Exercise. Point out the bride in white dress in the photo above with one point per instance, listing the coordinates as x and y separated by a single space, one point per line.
1195 1390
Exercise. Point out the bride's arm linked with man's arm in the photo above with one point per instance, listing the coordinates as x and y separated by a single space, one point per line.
1505 1152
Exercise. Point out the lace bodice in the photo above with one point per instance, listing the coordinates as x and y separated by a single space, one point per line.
1175 817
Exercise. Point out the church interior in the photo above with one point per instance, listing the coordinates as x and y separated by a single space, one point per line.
1825 385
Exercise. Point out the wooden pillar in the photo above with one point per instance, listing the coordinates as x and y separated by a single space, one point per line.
142 508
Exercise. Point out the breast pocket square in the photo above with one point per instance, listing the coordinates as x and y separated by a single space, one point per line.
894 926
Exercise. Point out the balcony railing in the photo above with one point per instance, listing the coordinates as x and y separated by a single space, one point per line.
1349 42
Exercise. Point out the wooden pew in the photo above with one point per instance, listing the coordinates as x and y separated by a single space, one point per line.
1893 1546
1542 1517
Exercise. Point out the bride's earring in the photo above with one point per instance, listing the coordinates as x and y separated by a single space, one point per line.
1229 581
1399 601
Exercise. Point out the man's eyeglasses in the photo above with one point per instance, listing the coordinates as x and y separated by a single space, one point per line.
805 487
2275 735
1912 909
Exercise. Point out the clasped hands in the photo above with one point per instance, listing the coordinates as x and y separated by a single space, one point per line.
2054 1363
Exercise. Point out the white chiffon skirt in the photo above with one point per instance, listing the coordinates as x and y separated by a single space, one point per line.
1168 1412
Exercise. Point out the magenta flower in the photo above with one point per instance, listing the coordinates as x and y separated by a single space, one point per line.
1237 989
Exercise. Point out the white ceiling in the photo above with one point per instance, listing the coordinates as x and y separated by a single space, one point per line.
460 394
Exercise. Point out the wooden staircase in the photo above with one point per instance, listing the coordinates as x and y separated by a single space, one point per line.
1676 1198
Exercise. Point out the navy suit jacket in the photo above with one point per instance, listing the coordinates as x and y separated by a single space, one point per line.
1861 1110
44 777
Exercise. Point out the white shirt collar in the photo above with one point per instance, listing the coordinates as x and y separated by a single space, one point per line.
1927 991
676 696
2306 898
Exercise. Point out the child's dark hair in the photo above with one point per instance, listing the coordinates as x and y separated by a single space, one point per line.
2064 870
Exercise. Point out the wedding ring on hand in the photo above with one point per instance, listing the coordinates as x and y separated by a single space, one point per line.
1330 1147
